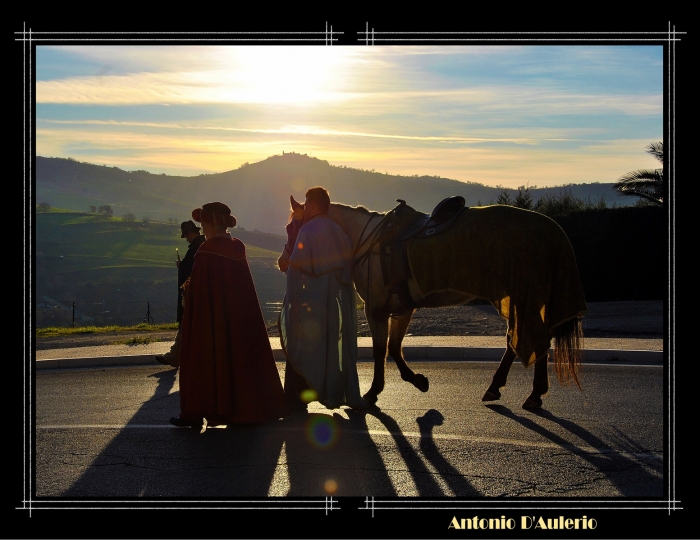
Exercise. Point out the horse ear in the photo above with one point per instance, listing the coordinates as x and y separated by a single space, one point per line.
295 205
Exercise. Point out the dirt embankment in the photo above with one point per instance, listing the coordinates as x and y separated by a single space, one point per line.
604 320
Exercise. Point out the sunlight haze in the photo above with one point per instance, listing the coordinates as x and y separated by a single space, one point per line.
496 115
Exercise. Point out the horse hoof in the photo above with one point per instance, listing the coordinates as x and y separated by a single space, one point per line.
531 403
421 382
491 396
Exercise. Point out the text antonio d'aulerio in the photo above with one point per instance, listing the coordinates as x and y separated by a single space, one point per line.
524 522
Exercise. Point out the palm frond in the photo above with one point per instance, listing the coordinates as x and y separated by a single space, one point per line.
645 183
651 191
657 150
643 175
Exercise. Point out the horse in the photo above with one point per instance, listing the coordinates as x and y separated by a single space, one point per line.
518 260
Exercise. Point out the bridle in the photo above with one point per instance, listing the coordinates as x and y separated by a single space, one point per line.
373 237
289 246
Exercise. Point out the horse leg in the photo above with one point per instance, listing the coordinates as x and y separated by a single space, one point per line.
378 323
540 384
398 324
499 378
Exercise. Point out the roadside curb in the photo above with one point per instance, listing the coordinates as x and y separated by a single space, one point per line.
423 353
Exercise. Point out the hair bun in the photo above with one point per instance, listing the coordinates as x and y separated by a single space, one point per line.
214 212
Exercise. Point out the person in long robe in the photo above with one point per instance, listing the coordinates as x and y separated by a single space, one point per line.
228 373
318 322
194 238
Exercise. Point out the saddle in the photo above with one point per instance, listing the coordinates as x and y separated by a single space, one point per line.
403 224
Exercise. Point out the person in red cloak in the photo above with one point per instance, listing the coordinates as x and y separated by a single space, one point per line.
228 373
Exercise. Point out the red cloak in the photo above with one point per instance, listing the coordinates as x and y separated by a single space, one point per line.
228 373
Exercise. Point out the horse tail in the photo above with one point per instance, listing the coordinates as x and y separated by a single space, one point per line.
568 344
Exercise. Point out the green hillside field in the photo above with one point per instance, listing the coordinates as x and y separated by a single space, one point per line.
84 257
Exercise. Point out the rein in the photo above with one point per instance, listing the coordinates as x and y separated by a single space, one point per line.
360 242
374 235
367 254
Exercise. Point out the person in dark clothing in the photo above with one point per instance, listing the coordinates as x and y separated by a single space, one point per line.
228 375
194 238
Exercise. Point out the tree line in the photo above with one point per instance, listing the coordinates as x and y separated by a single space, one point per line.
647 184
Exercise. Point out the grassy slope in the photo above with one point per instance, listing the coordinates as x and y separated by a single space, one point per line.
85 241
82 247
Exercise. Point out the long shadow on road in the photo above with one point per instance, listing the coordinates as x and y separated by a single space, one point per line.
415 462
333 455
453 478
627 474
315 455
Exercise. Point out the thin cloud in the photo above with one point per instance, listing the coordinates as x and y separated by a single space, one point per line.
298 130
211 87
492 114
522 136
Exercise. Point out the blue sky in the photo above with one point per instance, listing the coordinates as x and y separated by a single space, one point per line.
498 115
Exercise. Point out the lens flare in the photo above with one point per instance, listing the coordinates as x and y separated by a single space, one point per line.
308 395
321 431
331 486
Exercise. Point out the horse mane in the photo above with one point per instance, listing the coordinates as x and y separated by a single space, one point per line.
358 207
341 206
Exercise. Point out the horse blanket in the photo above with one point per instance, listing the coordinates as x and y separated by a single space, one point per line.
520 261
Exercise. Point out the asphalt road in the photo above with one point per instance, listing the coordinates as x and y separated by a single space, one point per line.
104 433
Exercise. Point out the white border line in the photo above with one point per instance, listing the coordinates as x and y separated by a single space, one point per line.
24 224
567 40
36 32
170 40
664 37
28 91
27 46
671 174
665 33
670 39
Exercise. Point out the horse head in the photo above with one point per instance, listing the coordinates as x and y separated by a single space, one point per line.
296 220
297 208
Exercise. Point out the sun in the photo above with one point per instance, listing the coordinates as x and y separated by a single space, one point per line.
289 75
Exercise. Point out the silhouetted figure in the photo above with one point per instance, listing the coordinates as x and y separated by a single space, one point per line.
228 373
319 317
191 233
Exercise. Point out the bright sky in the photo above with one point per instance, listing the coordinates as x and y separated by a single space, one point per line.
498 115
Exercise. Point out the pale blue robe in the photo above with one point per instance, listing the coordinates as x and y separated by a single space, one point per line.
319 317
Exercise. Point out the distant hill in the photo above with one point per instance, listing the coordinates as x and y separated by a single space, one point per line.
258 194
